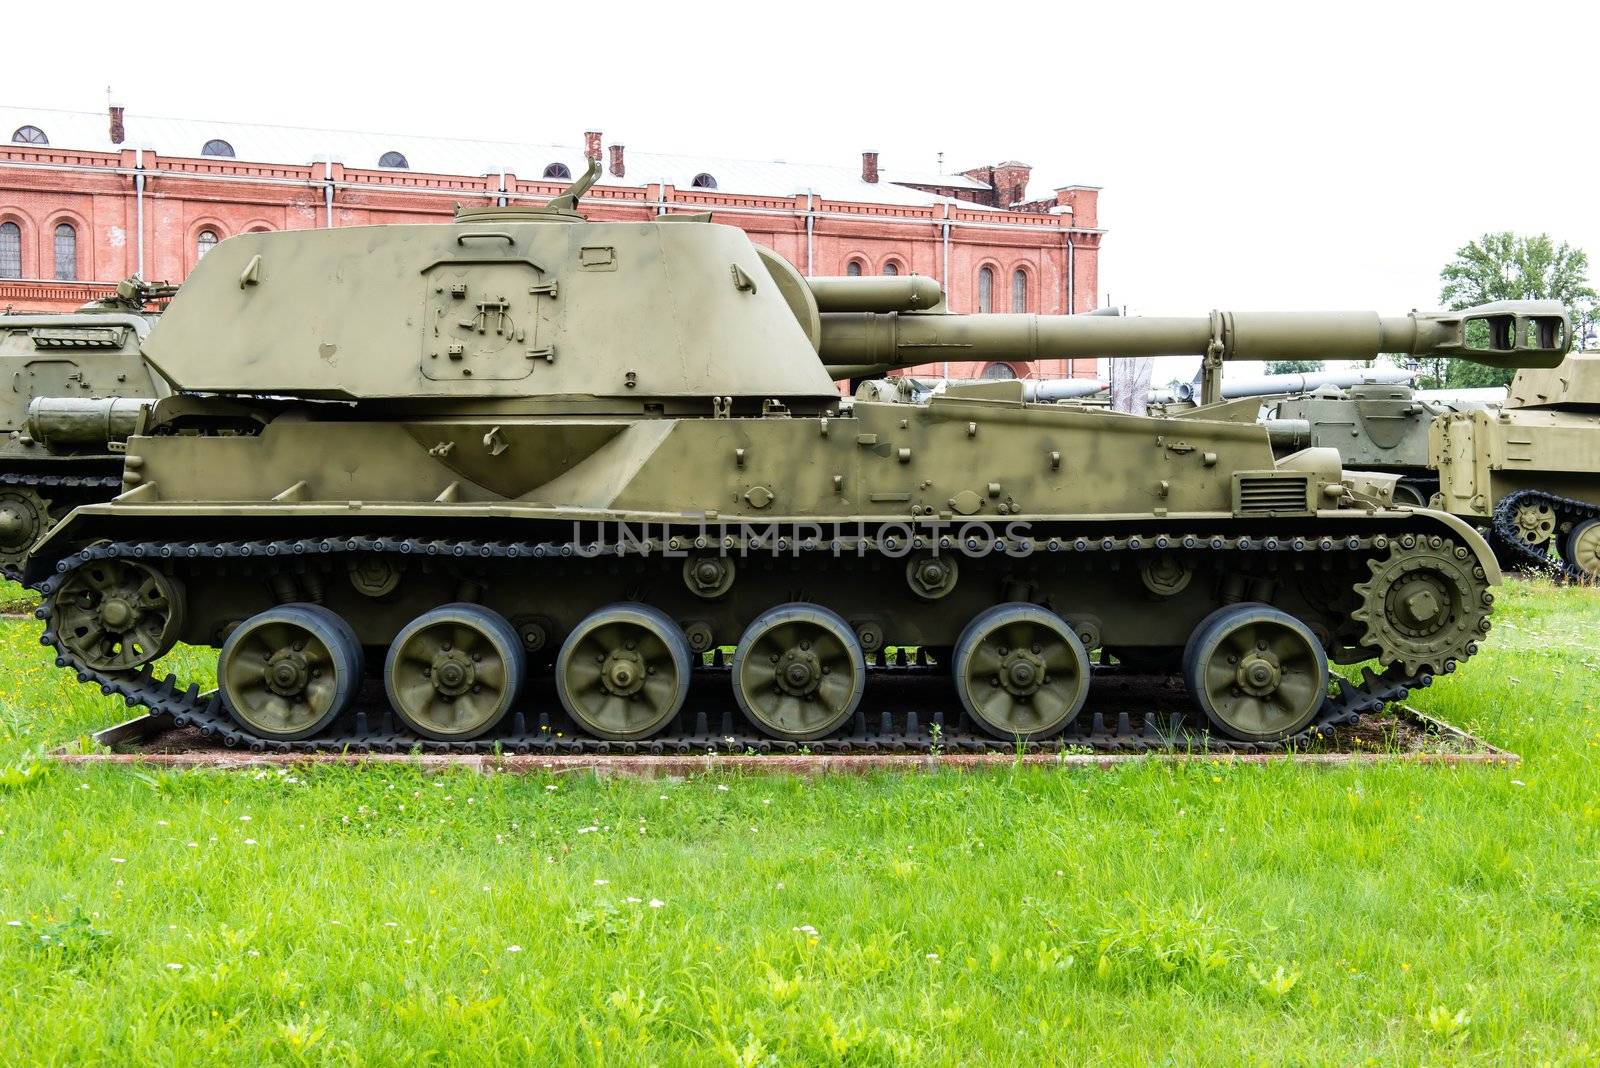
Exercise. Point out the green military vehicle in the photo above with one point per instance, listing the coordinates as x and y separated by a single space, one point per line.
422 459
77 385
1375 427
1531 468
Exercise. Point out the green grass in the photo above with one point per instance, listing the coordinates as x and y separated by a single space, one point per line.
1191 914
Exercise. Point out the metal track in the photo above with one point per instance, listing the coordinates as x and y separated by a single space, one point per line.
1567 510
709 725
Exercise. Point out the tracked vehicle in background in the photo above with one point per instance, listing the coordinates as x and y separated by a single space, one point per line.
77 385
431 460
1532 468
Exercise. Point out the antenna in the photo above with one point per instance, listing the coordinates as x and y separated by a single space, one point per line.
941 162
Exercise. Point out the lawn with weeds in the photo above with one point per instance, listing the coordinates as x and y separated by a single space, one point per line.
1193 914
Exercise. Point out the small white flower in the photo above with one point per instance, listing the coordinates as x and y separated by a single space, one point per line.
253 952
244 819
118 860
162 823
663 797
390 923
722 786
602 882
13 923
410 941
176 967
552 787
656 903
1060 872
629 900
513 949
249 841
805 929
85 786
779 886
934 957
194 845
587 830
1518 782
766 800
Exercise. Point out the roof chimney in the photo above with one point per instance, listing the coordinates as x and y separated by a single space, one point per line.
591 144
118 134
869 168
617 168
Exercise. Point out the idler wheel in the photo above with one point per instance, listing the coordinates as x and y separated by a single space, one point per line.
623 672
116 615
1258 673
453 673
798 672
1582 550
1021 671
288 672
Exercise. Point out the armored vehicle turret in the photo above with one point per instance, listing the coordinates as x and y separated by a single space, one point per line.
444 458
77 386
1532 467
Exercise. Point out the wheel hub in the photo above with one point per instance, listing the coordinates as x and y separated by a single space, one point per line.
1022 673
1417 605
287 673
1258 674
453 673
623 672
117 614
799 672
12 523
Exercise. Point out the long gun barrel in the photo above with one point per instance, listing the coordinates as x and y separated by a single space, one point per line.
1501 334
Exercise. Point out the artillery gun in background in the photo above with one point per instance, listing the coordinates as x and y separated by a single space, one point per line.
414 447
1530 469
78 382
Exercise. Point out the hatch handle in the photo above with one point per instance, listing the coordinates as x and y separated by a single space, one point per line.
461 239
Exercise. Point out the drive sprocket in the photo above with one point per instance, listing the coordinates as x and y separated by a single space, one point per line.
24 516
1425 606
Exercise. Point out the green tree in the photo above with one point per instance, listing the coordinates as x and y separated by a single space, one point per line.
1293 367
1508 266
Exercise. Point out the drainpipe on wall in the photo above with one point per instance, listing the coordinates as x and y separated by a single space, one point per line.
1072 280
327 190
138 209
811 229
501 200
944 278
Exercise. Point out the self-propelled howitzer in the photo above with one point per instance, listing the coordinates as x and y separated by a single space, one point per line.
449 458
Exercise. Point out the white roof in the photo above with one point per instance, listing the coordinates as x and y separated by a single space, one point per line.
265 143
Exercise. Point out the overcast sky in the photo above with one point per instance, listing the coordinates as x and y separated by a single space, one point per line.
1277 156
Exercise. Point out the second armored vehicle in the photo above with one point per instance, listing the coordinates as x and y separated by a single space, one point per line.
1532 468
78 382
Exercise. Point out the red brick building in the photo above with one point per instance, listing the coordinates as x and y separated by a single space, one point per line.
87 199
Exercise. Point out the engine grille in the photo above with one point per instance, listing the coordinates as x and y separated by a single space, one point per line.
1271 495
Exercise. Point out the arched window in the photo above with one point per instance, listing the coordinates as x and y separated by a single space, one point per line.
999 371
853 268
393 159
558 170
1019 290
10 250
986 290
217 147
891 269
30 135
66 253
204 242
704 181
